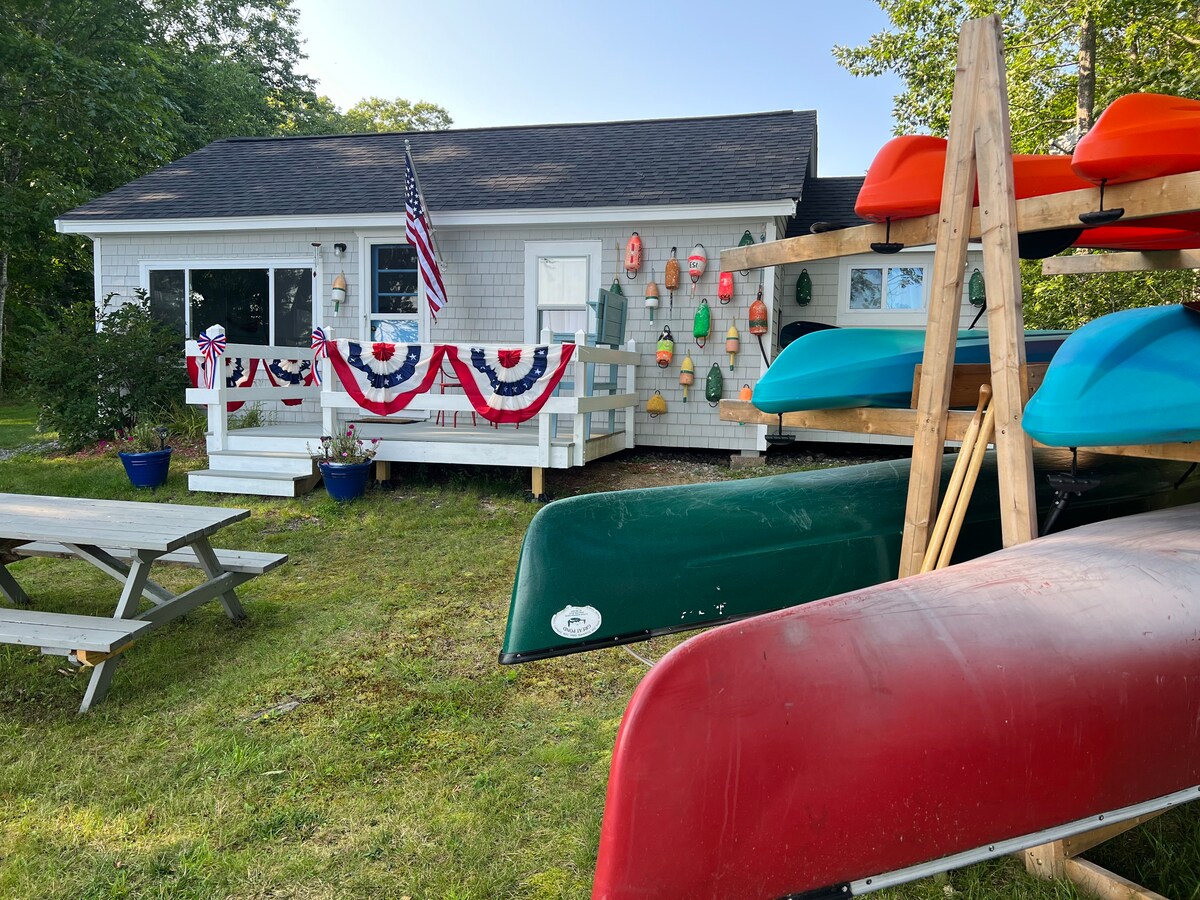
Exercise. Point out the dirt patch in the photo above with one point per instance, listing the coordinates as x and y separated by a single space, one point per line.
654 468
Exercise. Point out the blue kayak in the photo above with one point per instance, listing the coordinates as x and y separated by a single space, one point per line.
1132 377
848 367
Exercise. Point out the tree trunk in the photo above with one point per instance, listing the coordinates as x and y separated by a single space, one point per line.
3 292
1085 100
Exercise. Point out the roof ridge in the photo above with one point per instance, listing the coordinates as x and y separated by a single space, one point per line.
394 134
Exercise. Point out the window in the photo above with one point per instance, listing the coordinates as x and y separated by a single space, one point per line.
268 305
395 309
560 278
874 292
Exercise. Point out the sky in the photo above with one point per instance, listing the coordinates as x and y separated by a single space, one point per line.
495 63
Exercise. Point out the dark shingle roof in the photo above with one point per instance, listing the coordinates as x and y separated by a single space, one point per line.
827 200
763 156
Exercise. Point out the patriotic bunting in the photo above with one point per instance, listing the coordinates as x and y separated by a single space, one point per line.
239 373
510 385
383 378
289 373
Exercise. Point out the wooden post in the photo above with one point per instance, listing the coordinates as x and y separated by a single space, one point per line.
538 486
1002 271
949 263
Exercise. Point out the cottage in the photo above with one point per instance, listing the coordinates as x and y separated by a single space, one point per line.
532 222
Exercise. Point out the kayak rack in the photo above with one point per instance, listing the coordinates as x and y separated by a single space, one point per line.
979 145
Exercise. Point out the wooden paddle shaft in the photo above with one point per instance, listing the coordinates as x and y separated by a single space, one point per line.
964 497
956 481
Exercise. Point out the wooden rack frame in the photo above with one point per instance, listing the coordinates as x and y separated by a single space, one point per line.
979 144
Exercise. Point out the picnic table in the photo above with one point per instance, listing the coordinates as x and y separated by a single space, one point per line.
123 539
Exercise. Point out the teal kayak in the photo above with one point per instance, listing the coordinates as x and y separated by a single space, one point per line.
612 568
1132 377
848 367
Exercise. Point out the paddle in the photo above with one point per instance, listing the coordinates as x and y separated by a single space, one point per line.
960 508
950 501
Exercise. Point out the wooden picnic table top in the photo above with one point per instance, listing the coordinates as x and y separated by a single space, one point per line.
113 524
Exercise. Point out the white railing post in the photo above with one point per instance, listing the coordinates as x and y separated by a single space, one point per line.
546 338
579 430
327 377
219 424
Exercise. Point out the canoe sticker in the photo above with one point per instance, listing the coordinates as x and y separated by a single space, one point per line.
575 621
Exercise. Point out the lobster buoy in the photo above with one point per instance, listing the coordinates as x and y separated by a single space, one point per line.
803 288
615 287
656 405
746 241
652 298
713 385
687 375
976 291
696 264
702 323
758 315
665 349
671 275
732 344
745 394
633 256
725 287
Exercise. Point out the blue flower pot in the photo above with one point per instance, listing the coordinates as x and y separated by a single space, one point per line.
345 481
147 470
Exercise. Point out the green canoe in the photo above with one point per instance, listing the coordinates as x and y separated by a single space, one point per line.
606 569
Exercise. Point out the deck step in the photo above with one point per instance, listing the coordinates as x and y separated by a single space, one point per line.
267 484
282 462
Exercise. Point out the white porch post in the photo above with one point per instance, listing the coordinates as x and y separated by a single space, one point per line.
630 387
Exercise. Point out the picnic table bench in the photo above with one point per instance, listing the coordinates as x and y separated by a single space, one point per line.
122 539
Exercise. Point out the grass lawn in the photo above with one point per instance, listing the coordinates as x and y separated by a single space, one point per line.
356 738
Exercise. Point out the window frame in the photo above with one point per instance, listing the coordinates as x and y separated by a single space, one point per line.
591 250
922 259
191 329
373 246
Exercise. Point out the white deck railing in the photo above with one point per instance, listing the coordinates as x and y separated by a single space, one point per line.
588 393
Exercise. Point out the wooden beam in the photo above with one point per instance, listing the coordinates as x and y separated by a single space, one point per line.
1002 272
1081 843
945 298
1141 199
1091 879
967 378
859 420
1097 263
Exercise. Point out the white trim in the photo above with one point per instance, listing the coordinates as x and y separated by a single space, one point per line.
592 249
445 219
367 283
97 272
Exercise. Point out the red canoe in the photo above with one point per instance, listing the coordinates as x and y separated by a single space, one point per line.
916 726
1140 136
905 181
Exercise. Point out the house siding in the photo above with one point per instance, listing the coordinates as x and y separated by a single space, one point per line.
485 283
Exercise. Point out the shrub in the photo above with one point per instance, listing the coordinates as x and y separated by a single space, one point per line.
103 370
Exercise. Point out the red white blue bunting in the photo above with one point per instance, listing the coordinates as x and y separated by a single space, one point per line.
382 377
320 349
239 373
289 373
510 385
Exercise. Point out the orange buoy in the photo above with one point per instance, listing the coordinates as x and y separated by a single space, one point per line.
725 287
633 256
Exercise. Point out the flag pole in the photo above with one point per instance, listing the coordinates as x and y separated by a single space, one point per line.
437 252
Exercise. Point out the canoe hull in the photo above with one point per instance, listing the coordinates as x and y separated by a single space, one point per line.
629 565
1126 378
882 729
850 367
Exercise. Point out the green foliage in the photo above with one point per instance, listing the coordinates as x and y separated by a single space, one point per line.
144 437
99 373
1068 302
377 114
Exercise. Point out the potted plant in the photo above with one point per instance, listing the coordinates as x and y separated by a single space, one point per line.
345 461
146 456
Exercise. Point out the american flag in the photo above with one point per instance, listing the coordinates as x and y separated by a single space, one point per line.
418 233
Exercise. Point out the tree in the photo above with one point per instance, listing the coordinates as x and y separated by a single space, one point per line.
94 93
1065 60
377 114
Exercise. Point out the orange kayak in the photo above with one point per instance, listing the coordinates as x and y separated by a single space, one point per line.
905 181
1140 136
